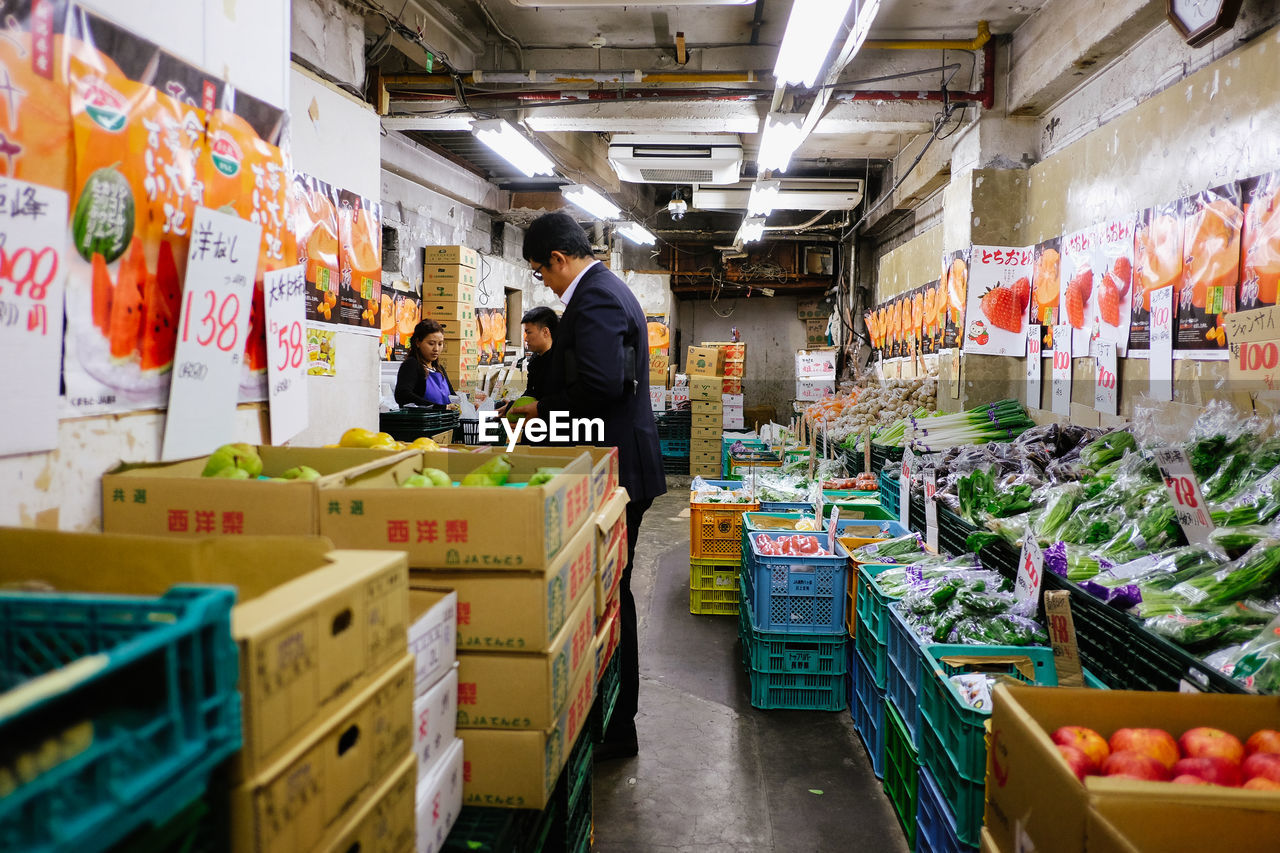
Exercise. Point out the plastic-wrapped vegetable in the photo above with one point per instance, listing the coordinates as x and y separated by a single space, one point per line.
1073 562
1057 510
897 550
1106 449
1235 541
1232 582
1235 623
1259 663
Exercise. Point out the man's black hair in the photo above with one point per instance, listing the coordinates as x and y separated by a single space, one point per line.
542 316
555 232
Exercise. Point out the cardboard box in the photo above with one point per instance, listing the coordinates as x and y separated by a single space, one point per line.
816 364
386 821
609 577
312 624
705 470
730 401
731 386
433 255
608 636
735 421
433 635
706 419
703 445
705 458
521 690
812 309
513 769
439 309
988 844
439 801
734 369
604 468
611 546
459 367
704 361
172 498
1125 824
1032 793
705 388
459 332
707 432
478 527
449 284
733 351
505 611
810 390
435 721
706 407
294 803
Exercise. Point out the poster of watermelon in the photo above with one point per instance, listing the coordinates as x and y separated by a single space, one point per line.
1260 241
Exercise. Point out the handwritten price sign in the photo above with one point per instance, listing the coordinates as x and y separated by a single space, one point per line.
1062 369
904 485
931 508
658 398
1253 338
33 238
1105 390
1030 569
284 292
217 296
1034 331
1160 357
1184 491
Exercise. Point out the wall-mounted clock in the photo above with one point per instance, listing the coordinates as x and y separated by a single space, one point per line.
1201 20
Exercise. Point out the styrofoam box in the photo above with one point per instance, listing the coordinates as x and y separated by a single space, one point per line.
816 364
435 721
433 641
814 389
440 800
733 401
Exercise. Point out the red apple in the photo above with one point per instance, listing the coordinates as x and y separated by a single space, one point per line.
1205 742
1092 744
1212 768
1188 779
1130 764
1261 783
1263 740
1076 760
1156 743
1262 764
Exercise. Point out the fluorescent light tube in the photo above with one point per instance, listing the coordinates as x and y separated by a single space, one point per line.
764 195
782 135
862 25
752 229
636 233
591 201
812 27
512 146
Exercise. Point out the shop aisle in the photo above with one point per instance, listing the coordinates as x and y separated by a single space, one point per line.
715 775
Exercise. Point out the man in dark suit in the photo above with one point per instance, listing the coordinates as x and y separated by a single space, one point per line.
600 369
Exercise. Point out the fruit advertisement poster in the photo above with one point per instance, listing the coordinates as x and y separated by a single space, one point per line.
493 334
1076 305
1157 263
1113 260
935 319
917 320
1046 286
408 311
321 353
1260 242
1206 292
315 228
360 262
999 294
659 333
36 141
955 289
895 328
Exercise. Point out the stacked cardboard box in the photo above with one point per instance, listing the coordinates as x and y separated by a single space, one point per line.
815 374
449 279
735 364
437 749
705 368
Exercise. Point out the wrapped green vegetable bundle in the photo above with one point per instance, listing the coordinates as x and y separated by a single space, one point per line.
1258 665
897 550
1215 588
1235 623
1106 449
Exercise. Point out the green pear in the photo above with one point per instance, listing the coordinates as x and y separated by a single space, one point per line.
231 473
301 472
521 401
417 481
240 455
437 477
492 473
544 475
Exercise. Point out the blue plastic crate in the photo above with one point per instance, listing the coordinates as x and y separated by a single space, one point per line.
786 506
798 594
903 677
153 711
868 715
935 824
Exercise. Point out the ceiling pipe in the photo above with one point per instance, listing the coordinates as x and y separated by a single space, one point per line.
976 43
586 77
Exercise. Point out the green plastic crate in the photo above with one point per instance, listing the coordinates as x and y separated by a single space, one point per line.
871 631
798 688
901 771
965 799
789 654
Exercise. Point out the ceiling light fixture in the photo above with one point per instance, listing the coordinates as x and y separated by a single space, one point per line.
752 229
782 135
764 195
512 146
592 202
636 233
811 29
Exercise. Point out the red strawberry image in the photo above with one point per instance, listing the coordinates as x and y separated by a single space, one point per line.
1078 290
1109 300
1122 269
1022 290
1001 305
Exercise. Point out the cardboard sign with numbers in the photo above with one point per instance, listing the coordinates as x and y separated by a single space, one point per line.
1106 390
1030 570
1062 370
904 485
1160 355
33 243
1034 365
1253 340
1184 491
285 298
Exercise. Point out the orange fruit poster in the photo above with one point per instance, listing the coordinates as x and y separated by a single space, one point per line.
1206 290
360 260
1260 240
315 229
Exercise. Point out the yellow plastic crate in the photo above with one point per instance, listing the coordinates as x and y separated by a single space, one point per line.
713 587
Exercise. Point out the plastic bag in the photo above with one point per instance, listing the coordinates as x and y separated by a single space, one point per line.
1235 623
1259 663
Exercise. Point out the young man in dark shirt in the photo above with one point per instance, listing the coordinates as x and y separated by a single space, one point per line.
539 326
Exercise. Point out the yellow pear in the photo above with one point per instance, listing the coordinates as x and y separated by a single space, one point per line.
359 437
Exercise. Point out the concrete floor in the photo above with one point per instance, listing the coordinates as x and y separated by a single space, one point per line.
715 775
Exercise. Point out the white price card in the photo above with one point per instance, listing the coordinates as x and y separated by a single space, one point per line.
1184 491
931 508
1030 568
1034 332
1160 357
1105 383
679 394
832 532
1062 370
33 242
904 485
216 298
819 507
658 398
284 292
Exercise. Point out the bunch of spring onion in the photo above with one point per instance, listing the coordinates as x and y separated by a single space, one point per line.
894 435
1002 421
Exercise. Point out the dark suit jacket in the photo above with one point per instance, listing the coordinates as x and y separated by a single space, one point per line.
589 377
537 369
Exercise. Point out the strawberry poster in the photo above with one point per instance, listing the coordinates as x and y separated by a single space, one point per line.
1206 293
1076 306
1046 287
954 284
1260 242
1114 293
1157 263
999 295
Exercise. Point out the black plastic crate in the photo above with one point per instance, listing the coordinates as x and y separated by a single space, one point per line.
881 454
408 424
852 460
675 425
675 464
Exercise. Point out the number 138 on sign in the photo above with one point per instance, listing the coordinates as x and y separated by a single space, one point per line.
215 318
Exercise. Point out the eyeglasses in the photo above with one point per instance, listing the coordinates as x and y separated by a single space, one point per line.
537 274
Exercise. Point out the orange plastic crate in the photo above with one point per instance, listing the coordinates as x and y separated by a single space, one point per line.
715 530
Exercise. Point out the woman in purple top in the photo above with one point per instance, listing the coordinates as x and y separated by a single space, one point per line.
422 380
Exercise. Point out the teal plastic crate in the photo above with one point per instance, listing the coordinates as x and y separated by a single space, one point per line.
965 799
889 494
868 715
936 830
789 654
753 521
154 710
901 772
871 630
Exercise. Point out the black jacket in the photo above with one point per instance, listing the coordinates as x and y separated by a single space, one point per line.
537 372
600 369
411 383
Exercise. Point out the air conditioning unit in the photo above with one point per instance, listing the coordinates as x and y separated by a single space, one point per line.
795 194
676 159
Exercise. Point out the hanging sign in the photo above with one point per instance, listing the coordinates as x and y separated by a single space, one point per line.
1033 366
931 508
904 485
1062 370
1030 569
1253 339
1105 384
285 294
1160 357
1184 491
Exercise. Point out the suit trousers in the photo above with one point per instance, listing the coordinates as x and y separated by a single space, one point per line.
622 724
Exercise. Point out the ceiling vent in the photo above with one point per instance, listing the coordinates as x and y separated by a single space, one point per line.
676 159
795 194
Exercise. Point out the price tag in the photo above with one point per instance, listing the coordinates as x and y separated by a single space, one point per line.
819 505
1033 365
831 527
33 243
216 298
657 398
283 291
1105 390
1160 357
1184 492
1062 370
1253 341
679 394
1062 636
904 485
931 508
1031 564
